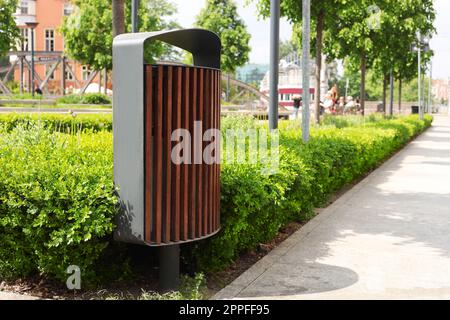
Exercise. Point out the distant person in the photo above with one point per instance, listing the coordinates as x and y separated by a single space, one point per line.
341 105
297 103
328 104
350 106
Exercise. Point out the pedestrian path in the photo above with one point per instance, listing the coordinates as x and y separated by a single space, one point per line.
13 296
387 238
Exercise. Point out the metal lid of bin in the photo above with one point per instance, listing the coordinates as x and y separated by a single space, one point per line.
204 45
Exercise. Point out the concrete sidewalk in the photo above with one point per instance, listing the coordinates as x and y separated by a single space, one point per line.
387 238
12 296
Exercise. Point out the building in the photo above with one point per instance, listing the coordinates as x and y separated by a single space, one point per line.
290 79
48 46
440 90
289 83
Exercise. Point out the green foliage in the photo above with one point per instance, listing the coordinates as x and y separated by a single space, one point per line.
88 98
220 16
287 47
57 122
57 201
57 198
254 206
9 32
88 31
381 37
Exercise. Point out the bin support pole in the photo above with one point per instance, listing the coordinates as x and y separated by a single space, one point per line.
169 268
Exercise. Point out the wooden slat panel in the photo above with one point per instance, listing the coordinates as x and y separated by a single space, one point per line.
185 167
158 156
213 173
212 178
176 172
216 111
182 202
193 171
219 91
205 167
200 166
148 151
167 108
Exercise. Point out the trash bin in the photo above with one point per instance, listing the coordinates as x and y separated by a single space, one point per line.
165 201
415 109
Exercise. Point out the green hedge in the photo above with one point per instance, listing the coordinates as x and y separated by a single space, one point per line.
87 98
57 200
65 123
255 206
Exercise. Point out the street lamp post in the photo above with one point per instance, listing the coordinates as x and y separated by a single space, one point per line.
306 30
134 15
430 87
274 61
419 80
32 26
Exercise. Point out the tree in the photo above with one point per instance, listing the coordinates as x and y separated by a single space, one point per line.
9 33
380 36
118 13
286 48
220 16
88 32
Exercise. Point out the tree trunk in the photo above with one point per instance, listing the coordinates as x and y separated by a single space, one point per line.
100 82
385 79
362 98
400 95
319 45
118 8
105 81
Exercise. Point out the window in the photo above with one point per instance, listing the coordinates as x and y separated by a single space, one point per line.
86 72
49 40
68 9
47 69
68 75
23 7
24 37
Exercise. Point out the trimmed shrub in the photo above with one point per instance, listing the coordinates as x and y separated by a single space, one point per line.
95 98
254 206
57 198
87 98
65 123
57 201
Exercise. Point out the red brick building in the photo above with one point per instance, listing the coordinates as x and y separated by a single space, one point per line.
48 45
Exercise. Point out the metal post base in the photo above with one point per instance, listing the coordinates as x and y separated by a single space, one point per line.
169 268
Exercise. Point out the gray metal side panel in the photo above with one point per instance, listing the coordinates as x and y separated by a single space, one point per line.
128 114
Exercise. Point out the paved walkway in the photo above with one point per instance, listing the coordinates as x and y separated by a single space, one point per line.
13 296
387 238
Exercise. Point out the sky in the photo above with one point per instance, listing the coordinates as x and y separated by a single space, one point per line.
257 27
441 41
260 31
